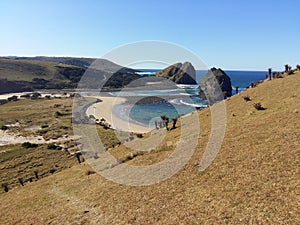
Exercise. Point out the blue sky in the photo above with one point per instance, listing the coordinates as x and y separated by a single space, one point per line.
231 34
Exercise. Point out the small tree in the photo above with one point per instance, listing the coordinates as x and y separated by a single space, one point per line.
270 73
174 122
258 106
78 157
236 89
20 179
5 187
156 124
286 67
247 98
167 122
36 174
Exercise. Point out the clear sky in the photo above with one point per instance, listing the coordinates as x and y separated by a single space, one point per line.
231 34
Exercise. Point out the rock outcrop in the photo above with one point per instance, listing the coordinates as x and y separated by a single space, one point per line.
179 73
208 85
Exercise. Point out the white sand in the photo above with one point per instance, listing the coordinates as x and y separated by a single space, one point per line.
104 110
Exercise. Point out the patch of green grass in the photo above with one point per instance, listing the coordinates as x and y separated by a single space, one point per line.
11 152
107 137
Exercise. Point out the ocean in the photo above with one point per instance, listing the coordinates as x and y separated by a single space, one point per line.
180 101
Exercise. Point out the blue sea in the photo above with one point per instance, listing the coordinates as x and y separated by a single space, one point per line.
181 100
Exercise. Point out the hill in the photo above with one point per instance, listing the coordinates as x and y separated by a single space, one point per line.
253 180
60 72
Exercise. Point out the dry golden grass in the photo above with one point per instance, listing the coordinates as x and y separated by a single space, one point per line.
253 180
36 113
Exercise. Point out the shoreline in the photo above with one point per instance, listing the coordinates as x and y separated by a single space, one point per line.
104 110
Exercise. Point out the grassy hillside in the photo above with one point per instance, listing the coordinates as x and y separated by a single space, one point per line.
26 70
253 180
60 72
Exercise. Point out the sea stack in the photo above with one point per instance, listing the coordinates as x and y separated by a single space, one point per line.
179 73
207 82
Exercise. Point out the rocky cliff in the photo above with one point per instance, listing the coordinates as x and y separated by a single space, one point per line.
208 85
179 73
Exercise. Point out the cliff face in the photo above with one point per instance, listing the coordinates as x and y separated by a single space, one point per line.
207 84
179 73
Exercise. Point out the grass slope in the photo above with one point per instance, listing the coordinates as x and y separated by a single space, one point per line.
60 73
26 70
253 180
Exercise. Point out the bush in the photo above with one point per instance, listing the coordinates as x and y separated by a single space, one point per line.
52 170
44 126
247 98
58 114
5 187
53 146
89 172
29 145
3 127
258 106
139 135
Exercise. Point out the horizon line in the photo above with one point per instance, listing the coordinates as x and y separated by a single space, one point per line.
92 57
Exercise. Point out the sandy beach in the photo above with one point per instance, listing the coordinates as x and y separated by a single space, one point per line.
104 110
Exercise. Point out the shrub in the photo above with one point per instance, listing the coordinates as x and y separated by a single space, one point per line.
3 127
139 135
36 174
52 170
5 187
44 126
53 146
258 106
89 172
58 114
174 122
247 98
29 145
20 179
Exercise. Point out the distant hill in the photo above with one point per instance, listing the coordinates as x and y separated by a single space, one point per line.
103 64
62 72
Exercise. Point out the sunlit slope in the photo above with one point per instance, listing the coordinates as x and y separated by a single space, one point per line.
253 180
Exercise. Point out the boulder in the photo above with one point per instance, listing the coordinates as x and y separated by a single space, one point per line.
208 85
179 73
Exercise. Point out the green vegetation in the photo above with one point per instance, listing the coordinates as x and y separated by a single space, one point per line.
258 106
29 145
247 98
49 73
54 147
10 152
3 127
